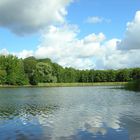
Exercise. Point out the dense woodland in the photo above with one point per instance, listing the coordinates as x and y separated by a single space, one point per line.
15 71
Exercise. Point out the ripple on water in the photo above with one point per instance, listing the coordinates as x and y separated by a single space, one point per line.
69 113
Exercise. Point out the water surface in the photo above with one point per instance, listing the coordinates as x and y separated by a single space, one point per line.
69 113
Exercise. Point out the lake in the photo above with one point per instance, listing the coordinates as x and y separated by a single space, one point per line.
69 113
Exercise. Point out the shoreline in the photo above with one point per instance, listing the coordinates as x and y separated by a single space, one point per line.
66 85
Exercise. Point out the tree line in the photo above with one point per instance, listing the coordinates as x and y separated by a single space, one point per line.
15 71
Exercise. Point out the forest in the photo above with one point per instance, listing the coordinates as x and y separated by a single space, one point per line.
31 71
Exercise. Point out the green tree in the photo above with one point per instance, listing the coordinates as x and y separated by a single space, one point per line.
111 75
3 75
123 75
136 73
13 70
44 72
30 69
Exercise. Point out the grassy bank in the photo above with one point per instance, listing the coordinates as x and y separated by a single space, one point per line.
81 84
66 85
15 86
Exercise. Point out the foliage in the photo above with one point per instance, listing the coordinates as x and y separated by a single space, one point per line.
12 71
133 85
44 71
3 75
15 71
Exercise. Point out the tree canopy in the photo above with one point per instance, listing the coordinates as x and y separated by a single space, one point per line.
15 71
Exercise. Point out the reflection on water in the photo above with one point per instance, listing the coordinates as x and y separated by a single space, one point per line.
82 113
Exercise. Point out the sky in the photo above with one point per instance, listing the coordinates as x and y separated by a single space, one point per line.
84 34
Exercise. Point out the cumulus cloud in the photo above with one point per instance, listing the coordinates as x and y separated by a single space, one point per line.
96 19
94 38
93 51
61 42
4 52
24 54
62 45
122 59
28 16
131 40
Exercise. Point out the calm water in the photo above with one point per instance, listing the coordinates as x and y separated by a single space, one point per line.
81 113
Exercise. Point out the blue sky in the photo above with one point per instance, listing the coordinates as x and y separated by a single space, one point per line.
119 12
20 32
12 42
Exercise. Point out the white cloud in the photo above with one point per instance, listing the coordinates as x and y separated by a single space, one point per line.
96 19
4 52
131 39
61 44
28 16
94 38
24 53
120 59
